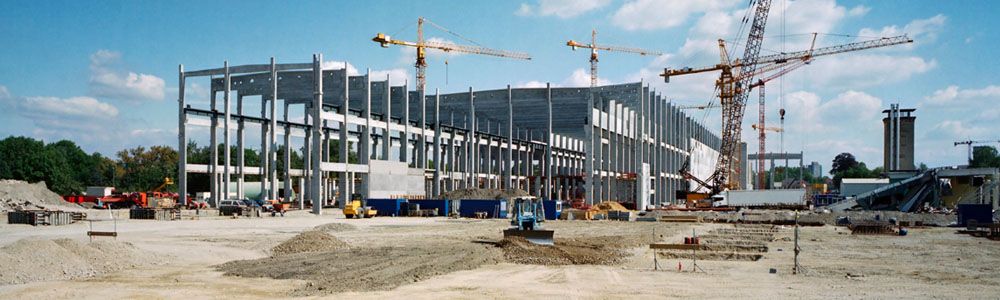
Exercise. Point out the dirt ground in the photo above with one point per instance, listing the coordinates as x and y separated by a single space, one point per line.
431 258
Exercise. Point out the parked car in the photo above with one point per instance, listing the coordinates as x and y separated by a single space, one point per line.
232 207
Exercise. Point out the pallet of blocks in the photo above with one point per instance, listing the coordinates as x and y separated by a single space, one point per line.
161 214
40 217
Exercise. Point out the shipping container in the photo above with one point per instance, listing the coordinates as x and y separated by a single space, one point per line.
441 205
387 207
763 198
982 213
493 208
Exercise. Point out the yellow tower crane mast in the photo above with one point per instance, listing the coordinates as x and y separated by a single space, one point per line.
422 45
593 46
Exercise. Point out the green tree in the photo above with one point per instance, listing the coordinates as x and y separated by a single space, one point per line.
984 157
144 169
843 162
20 158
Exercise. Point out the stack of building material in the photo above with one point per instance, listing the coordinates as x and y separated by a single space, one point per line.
40 217
154 214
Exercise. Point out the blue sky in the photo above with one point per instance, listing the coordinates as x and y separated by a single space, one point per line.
104 73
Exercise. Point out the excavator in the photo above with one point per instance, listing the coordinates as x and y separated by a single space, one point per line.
529 213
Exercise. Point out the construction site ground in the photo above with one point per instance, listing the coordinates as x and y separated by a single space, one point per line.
432 258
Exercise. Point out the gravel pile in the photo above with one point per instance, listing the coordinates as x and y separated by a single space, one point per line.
21 195
335 227
309 241
30 260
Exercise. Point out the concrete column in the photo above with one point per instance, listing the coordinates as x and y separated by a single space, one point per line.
474 165
181 138
452 151
422 155
366 133
438 163
213 168
658 141
272 156
317 104
387 116
306 155
225 133
612 149
404 138
240 159
588 149
549 135
287 195
508 159
345 140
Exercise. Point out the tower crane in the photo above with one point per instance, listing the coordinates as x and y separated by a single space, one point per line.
593 46
969 143
736 79
422 45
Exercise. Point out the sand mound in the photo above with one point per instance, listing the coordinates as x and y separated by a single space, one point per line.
309 241
366 269
590 251
30 260
335 227
20 195
483 194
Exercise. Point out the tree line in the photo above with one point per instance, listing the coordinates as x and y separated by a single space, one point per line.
68 170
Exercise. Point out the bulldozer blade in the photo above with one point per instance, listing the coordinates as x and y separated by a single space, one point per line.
540 237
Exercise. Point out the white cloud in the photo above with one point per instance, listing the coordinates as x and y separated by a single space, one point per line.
396 76
530 84
339 65
4 94
858 11
865 70
657 14
85 107
954 130
920 30
953 95
109 80
581 78
562 9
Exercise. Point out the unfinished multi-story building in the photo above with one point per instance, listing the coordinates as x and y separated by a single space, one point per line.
618 142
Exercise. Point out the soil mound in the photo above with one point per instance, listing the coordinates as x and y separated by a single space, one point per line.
21 195
579 251
30 260
366 269
309 241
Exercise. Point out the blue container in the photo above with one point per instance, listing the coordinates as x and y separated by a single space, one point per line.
387 207
493 208
982 213
442 205
553 208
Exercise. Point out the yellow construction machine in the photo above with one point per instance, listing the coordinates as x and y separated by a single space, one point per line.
357 208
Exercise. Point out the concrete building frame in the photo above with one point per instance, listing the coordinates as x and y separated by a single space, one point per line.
543 140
